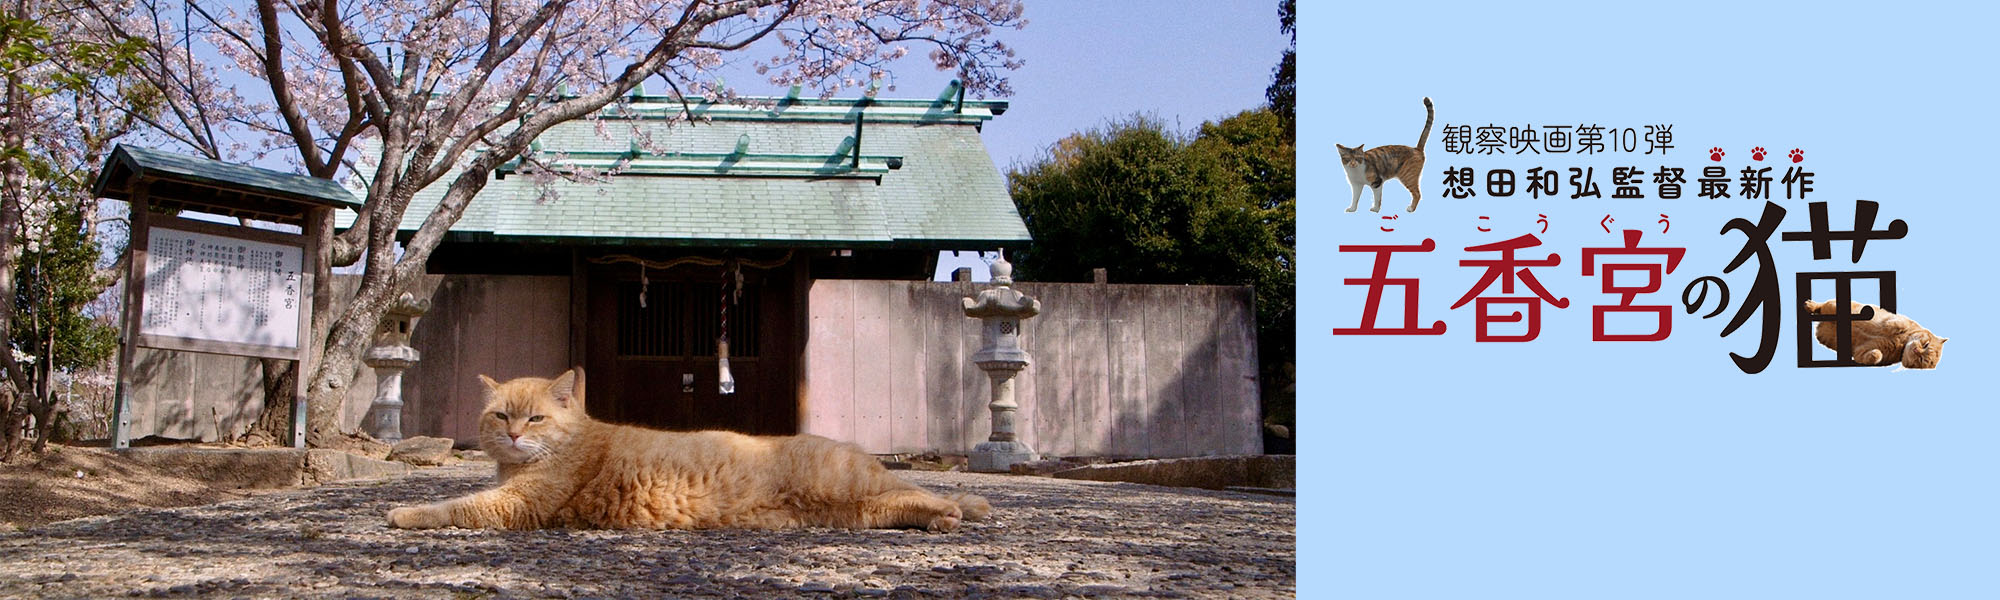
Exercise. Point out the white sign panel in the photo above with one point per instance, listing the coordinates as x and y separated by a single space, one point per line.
221 289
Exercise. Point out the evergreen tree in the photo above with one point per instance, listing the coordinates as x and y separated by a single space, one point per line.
1154 206
55 277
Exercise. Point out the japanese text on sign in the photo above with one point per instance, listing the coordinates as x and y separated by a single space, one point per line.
214 288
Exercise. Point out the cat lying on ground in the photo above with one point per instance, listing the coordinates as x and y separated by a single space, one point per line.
1887 338
560 468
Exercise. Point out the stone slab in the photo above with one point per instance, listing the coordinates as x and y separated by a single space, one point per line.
264 468
1273 471
422 451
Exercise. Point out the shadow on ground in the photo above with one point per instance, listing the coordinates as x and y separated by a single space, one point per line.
1048 539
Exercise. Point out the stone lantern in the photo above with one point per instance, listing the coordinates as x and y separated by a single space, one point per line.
390 355
1001 309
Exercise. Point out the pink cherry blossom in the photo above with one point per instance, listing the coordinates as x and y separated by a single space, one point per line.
417 94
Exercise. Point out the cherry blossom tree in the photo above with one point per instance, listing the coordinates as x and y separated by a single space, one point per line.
63 99
416 94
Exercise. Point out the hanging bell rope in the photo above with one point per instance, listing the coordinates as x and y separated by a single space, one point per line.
732 290
725 303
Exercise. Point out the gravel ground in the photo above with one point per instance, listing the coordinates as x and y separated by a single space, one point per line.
1048 538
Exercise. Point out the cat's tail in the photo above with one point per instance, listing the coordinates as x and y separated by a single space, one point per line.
975 507
1430 114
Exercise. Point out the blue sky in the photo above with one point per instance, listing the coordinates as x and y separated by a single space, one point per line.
1090 63
1185 61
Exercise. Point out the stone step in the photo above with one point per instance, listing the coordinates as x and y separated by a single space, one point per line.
263 468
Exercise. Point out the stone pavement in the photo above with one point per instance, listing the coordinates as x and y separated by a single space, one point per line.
1048 538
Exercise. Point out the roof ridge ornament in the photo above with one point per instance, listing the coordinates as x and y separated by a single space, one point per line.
955 89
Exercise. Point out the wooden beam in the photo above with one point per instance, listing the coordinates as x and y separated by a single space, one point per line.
168 342
183 192
295 240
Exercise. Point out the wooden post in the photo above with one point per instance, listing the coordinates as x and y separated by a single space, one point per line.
801 334
317 251
135 288
579 290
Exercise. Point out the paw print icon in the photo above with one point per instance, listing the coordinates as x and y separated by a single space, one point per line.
1715 154
1798 155
1757 154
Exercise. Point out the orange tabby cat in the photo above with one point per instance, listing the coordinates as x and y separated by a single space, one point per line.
1369 168
560 468
1885 339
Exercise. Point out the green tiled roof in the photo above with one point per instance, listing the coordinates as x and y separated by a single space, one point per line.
129 163
779 174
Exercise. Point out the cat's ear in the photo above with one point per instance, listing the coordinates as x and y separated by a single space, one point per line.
1941 341
567 388
490 383
1358 148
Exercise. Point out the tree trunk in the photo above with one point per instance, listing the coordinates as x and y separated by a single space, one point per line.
340 342
44 407
10 430
275 421
13 183
341 358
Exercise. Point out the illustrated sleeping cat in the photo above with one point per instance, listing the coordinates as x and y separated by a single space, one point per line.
1370 168
560 468
1884 339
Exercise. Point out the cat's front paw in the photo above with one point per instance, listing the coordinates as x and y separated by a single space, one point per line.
947 521
943 524
413 517
1871 357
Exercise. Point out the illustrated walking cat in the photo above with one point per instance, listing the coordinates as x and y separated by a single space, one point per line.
1372 167
1884 339
560 468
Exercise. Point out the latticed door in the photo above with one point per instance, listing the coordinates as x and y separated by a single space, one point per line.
651 352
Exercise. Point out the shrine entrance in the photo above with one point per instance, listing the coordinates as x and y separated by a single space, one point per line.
652 351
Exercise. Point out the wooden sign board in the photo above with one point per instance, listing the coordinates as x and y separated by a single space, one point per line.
222 293
208 287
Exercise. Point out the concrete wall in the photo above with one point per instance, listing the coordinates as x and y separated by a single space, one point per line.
1119 370
501 326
